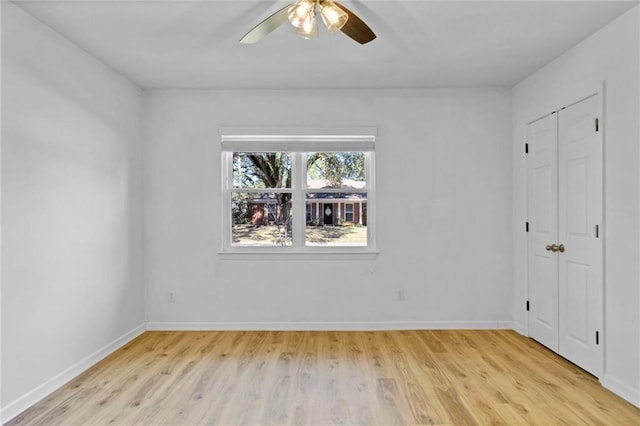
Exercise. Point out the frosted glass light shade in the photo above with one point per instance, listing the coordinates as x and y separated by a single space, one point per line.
333 17
309 27
299 12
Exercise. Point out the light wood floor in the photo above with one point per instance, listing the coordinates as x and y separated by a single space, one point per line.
318 378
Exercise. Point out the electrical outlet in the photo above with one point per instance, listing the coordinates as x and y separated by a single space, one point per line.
400 296
172 297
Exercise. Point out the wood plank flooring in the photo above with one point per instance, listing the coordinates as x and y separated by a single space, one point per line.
323 378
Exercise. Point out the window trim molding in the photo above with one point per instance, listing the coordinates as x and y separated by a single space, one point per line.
298 133
256 139
337 254
297 141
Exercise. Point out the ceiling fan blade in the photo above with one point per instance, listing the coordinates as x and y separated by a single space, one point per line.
356 28
266 26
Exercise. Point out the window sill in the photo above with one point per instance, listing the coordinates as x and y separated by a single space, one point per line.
282 255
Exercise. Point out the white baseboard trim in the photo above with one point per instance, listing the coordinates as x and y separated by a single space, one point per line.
623 390
329 325
519 328
16 407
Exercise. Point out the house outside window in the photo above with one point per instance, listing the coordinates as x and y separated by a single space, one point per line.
267 188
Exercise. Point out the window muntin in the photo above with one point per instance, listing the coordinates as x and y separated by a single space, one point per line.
245 223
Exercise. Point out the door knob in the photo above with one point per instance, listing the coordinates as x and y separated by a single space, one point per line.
561 248
555 248
549 247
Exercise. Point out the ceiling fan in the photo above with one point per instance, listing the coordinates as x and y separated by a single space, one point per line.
303 16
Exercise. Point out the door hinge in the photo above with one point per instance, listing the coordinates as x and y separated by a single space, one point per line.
597 337
526 226
526 148
597 124
527 306
597 231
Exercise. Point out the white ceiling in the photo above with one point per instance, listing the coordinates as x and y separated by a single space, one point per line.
194 44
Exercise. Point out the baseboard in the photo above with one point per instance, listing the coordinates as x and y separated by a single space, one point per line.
16 407
519 328
624 391
329 325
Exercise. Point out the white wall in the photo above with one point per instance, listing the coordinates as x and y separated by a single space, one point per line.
0 226
444 213
612 54
71 211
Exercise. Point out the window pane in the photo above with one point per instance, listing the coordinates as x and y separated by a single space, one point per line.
336 219
261 170
261 219
335 170
348 212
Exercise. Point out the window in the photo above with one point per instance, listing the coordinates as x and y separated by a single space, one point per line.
271 213
297 194
348 212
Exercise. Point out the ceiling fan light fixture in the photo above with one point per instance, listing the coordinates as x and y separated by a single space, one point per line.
333 17
300 12
309 27
303 16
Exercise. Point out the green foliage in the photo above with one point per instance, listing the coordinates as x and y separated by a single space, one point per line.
262 170
239 209
336 166
273 169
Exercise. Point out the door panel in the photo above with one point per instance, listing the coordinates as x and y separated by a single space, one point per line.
577 293
546 280
545 195
328 214
579 211
577 188
542 167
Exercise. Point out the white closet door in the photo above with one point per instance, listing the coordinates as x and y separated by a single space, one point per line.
579 225
542 177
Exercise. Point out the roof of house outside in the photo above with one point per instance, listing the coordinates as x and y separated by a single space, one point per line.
336 196
322 184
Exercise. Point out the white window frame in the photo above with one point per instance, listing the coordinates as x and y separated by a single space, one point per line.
297 142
